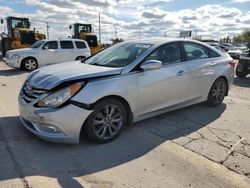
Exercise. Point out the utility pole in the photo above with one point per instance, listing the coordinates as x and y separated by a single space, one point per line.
47 30
100 27
195 34
116 33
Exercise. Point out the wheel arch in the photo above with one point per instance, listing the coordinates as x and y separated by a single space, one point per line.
23 60
226 80
80 56
117 97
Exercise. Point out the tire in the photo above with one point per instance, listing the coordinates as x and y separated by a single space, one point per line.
240 74
29 64
217 92
80 58
106 122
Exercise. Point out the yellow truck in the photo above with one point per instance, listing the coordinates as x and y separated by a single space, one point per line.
84 32
19 34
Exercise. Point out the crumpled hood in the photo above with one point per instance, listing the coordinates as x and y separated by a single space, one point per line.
51 76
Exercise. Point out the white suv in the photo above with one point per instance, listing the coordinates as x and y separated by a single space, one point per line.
47 52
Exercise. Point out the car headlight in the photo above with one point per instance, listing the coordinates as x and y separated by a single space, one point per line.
15 56
61 96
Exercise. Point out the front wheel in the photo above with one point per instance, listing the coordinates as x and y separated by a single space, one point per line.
217 92
29 64
106 121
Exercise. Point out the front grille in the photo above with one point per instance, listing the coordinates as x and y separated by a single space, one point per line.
27 37
29 94
91 40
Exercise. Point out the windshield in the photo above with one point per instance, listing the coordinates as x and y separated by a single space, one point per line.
84 29
37 44
21 23
119 55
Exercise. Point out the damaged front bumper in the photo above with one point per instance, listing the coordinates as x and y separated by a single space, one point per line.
53 124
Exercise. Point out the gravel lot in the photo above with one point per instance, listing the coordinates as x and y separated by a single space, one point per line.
193 147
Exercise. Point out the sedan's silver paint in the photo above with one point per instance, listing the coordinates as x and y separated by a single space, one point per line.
148 93
51 76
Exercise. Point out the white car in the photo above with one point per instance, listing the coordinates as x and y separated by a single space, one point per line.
47 52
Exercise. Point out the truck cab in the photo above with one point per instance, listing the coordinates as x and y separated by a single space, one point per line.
19 34
84 32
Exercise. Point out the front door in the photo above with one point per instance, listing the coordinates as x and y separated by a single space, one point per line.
50 53
166 86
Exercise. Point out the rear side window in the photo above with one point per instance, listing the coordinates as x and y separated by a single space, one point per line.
80 45
213 54
195 51
66 44
50 45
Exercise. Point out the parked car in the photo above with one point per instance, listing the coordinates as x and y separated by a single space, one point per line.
47 52
225 48
235 53
242 47
125 83
243 67
217 47
229 46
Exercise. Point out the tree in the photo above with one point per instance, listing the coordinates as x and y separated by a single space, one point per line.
243 37
226 39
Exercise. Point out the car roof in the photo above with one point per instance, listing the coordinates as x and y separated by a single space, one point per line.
161 40
64 39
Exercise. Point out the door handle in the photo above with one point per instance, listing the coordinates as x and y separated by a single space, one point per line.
212 63
180 73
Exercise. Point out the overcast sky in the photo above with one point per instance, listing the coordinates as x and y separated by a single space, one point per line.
134 18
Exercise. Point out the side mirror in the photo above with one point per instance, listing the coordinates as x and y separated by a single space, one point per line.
70 27
2 21
151 65
45 47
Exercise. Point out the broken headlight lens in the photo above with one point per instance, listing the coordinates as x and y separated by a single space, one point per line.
61 96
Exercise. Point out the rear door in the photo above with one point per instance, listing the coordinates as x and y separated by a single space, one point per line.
166 86
82 49
201 62
67 51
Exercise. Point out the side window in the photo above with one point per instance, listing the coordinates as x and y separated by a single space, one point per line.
213 54
167 54
66 44
80 44
195 51
50 45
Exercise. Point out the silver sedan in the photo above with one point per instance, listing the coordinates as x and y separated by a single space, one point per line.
125 83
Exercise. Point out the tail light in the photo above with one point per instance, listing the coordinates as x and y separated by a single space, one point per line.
232 63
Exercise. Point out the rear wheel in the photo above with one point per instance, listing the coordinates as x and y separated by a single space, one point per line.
106 121
29 64
217 92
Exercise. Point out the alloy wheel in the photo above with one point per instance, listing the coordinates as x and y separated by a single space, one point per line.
30 64
108 122
218 91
